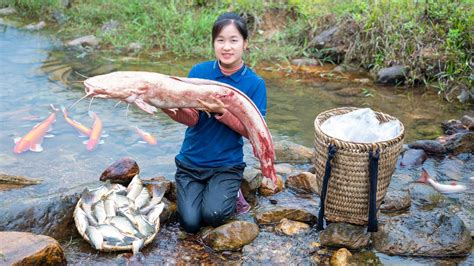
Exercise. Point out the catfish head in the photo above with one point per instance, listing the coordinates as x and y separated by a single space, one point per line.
122 85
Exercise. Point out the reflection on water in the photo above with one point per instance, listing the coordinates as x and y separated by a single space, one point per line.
35 73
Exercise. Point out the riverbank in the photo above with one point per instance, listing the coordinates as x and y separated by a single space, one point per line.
398 42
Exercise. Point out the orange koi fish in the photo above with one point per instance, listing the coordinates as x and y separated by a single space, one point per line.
146 136
32 141
78 126
96 132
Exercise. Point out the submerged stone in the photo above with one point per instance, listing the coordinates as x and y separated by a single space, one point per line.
430 234
290 228
345 235
231 236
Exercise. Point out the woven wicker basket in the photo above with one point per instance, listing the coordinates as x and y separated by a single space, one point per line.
348 190
105 246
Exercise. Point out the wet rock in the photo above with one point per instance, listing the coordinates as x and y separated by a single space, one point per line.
392 75
231 236
268 188
468 122
466 211
432 234
341 257
324 37
18 180
451 168
250 184
426 197
400 181
290 228
287 205
396 200
365 258
50 215
7 11
413 157
349 91
345 235
304 181
305 62
289 152
284 168
275 249
462 142
134 47
89 40
429 146
20 248
38 26
121 171
169 212
453 126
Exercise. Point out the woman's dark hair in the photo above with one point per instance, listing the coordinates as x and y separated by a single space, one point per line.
227 19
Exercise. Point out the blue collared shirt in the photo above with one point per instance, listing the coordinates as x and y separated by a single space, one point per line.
211 143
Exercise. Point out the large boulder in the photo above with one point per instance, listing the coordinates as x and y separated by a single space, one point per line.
427 234
21 248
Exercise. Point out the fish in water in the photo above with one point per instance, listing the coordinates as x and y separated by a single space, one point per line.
96 132
108 219
147 137
443 188
150 91
85 131
33 139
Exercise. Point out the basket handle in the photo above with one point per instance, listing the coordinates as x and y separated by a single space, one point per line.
373 174
327 174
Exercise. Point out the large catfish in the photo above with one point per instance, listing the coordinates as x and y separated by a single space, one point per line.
149 90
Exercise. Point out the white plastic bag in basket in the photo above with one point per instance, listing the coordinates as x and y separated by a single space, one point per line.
360 125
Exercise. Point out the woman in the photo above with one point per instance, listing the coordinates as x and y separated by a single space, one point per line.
210 163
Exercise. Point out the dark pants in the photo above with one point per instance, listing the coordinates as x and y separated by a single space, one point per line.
206 196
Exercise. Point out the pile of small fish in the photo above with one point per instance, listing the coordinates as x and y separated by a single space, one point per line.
113 217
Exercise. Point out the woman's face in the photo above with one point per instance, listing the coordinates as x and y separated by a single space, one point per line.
229 46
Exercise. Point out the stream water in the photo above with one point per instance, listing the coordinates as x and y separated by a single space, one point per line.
37 71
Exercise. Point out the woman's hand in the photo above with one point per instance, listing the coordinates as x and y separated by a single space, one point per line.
212 105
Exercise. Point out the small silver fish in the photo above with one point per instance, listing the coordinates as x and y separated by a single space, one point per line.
87 202
154 215
95 237
137 245
157 195
123 202
112 234
82 220
125 226
98 210
109 205
134 188
145 227
143 198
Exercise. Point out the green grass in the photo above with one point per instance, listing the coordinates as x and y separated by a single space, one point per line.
413 33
